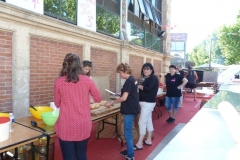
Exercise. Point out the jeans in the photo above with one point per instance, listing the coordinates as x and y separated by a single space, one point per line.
128 124
145 120
172 101
74 149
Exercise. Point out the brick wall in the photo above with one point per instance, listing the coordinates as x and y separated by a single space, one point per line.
148 60
104 64
157 67
6 71
46 57
136 63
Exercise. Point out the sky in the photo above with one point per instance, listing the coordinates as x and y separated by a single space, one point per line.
199 18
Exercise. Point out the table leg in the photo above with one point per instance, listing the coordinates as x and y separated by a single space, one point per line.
101 129
156 111
16 154
159 107
47 147
32 151
115 124
119 136
1 155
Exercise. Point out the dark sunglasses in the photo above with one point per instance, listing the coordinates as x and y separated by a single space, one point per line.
87 62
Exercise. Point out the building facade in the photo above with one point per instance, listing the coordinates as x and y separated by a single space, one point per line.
33 46
178 49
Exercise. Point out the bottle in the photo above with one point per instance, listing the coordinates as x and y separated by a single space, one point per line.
12 122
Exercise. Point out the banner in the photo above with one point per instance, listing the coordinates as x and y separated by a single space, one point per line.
87 14
32 5
178 36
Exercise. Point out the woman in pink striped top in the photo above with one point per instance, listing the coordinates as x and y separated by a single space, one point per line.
71 95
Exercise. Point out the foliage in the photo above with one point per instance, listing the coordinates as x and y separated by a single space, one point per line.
137 35
230 42
107 21
200 54
61 9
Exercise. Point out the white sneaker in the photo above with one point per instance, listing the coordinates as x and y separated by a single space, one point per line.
180 106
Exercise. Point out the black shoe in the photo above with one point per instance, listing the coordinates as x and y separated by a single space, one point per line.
172 120
136 148
127 158
168 119
124 153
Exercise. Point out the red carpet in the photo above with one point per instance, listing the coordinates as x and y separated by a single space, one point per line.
108 149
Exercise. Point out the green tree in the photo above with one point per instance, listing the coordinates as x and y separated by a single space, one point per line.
59 8
200 54
107 21
230 42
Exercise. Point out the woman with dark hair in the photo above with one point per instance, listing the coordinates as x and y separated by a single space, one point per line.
71 95
87 66
129 106
147 98
174 82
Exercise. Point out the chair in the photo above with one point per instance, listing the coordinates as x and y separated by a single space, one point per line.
160 101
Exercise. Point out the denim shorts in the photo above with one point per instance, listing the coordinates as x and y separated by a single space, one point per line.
172 101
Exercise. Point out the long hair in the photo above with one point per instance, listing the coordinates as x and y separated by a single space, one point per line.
89 64
71 68
147 66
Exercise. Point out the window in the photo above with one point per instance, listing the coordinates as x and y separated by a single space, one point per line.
137 9
148 40
159 5
154 3
142 7
107 22
156 43
149 10
136 34
156 16
177 46
131 5
61 9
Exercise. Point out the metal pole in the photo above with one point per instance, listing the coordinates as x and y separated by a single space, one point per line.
185 58
210 56
121 33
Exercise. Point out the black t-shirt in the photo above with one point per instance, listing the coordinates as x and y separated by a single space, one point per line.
150 89
172 83
131 105
181 73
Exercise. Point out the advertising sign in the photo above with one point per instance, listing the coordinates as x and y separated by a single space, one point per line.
178 36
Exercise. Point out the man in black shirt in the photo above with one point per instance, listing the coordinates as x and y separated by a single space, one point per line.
192 77
179 68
